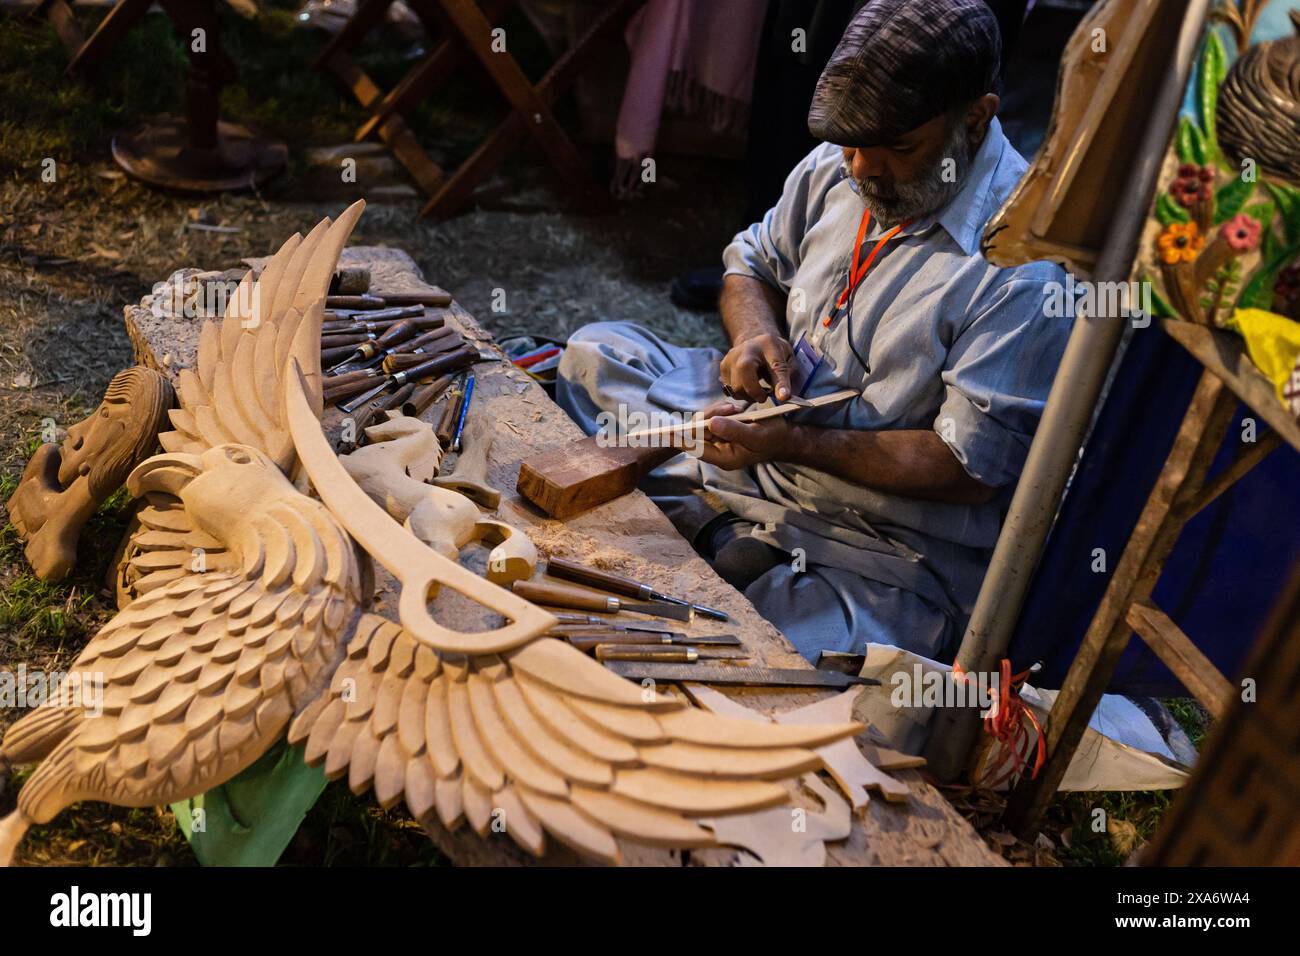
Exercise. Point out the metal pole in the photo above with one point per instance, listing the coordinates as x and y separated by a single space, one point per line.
1066 417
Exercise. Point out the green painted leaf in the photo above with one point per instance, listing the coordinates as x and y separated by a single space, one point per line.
1190 143
1229 199
1258 292
1159 307
1269 244
1261 212
1214 67
1168 211
1287 199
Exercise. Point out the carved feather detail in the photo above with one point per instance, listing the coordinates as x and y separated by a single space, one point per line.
199 676
235 393
542 740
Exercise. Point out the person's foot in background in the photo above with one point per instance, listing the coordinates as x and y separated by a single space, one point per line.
698 289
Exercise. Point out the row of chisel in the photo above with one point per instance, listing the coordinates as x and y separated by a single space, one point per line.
642 641
634 596
373 347
649 641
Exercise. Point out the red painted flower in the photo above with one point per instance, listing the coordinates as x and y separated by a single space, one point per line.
1193 184
1241 232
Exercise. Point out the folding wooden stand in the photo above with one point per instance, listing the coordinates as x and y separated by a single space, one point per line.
465 31
1179 494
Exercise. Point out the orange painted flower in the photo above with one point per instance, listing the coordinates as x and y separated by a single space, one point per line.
1180 242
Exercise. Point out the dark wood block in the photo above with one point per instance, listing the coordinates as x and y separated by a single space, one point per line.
574 478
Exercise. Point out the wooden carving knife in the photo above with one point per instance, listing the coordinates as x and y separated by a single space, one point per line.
616 583
558 595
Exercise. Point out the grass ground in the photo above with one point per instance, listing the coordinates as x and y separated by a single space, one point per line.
75 250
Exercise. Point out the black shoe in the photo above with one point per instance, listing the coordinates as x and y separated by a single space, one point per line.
698 289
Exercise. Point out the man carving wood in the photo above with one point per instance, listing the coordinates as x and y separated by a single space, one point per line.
872 520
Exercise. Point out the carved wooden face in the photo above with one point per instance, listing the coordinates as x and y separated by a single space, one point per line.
90 438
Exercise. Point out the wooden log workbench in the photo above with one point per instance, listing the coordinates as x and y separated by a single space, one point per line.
628 536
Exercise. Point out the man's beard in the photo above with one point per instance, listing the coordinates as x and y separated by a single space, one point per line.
929 193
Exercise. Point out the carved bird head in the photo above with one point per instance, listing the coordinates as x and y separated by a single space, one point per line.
239 496
221 488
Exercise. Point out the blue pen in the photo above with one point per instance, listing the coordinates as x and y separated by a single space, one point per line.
464 409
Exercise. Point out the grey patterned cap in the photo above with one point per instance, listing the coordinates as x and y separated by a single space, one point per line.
901 63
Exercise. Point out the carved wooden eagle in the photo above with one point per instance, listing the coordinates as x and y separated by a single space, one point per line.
250 623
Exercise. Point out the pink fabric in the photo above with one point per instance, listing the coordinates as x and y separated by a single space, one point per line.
687 55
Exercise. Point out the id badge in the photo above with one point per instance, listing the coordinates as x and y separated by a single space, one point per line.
804 365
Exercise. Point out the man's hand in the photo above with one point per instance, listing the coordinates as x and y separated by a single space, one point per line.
731 445
764 356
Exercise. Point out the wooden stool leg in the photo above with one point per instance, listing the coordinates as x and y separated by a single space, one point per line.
1208 416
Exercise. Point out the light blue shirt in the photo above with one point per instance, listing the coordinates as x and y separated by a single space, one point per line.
952 343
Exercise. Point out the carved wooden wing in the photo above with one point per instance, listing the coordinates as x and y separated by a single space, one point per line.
236 391
542 740
193 681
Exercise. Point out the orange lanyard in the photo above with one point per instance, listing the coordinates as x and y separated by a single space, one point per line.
859 272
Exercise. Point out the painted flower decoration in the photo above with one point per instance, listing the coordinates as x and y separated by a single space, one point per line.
1194 183
1180 242
1241 232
